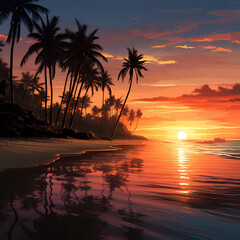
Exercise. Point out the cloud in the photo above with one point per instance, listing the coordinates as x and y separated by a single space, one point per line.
107 55
158 46
187 11
204 92
218 37
131 17
221 49
235 41
150 59
209 47
225 13
3 36
184 46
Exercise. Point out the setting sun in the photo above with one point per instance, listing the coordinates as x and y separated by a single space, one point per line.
182 135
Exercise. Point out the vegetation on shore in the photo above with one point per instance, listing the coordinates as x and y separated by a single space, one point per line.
79 56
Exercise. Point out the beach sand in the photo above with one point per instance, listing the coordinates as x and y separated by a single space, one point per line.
21 153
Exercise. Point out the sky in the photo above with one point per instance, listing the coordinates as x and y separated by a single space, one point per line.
191 48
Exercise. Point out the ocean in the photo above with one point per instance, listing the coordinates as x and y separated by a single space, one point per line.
150 190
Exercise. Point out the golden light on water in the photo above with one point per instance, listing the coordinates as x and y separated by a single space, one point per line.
182 135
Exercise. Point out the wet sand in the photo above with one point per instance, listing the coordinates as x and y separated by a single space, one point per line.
20 153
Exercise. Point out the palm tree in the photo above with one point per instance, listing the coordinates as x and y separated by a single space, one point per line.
1 45
125 112
19 11
81 50
131 117
92 83
118 104
134 65
106 83
86 103
138 116
4 76
95 111
49 46
31 83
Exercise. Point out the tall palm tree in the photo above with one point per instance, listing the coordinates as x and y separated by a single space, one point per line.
132 65
19 11
49 46
82 48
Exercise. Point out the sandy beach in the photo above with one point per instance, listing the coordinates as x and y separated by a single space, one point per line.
29 152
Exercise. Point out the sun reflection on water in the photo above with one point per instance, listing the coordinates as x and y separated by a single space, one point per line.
183 164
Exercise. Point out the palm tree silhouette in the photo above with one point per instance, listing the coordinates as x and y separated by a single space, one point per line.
132 64
92 83
131 117
118 104
81 49
49 46
95 111
1 45
138 116
106 83
31 84
19 11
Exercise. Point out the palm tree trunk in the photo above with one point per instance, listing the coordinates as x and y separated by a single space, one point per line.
75 107
46 95
116 125
69 100
101 123
51 88
74 96
11 66
83 103
135 127
64 89
25 92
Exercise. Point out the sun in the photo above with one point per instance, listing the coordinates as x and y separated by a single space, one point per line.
182 135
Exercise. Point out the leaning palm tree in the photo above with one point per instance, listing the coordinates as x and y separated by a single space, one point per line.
134 65
49 46
82 48
19 11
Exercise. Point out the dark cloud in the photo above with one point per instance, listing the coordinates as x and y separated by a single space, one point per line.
204 92
187 11
207 92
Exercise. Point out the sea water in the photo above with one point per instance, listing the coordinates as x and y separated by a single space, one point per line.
179 190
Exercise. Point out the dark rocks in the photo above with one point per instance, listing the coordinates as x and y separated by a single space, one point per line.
16 122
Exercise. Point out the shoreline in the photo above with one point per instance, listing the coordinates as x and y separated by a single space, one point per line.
26 153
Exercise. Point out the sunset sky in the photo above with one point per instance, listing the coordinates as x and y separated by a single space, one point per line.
192 49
